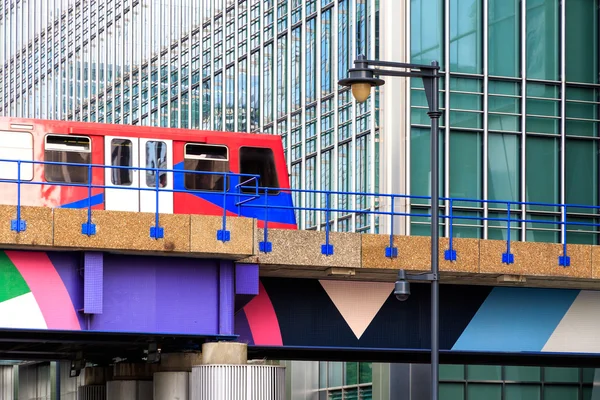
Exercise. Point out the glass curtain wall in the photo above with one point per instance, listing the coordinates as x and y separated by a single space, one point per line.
267 66
520 124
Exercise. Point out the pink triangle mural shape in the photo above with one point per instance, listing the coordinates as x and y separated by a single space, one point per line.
358 302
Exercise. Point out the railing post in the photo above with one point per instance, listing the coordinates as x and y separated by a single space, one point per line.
391 251
327 248
507 257
88 228
564 260
450 254
265 246
156 231
223 234
18 225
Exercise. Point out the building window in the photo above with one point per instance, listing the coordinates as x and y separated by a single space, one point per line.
120 155
71 150
259 161
345 380
207 158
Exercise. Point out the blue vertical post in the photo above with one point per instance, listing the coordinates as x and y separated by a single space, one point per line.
391 251
156 231
223 234
327 248
507 257
88 228
564 260
265 246
450 254
17 224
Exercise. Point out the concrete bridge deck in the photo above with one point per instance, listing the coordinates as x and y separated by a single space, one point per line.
357 256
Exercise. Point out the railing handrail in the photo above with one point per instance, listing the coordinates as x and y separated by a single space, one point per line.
238 190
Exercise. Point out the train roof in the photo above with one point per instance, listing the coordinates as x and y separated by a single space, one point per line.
105 129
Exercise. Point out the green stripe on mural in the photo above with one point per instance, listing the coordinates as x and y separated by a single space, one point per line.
12 283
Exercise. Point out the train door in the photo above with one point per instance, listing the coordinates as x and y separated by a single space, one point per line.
156 153
121 183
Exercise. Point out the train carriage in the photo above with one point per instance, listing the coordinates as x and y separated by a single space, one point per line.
201 156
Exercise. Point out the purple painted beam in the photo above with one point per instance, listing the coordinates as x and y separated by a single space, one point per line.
246 279
226 297
246 284
93 282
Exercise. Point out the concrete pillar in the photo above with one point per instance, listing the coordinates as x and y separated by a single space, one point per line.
94 383
226 375
131 382
224 353
172 381
129 390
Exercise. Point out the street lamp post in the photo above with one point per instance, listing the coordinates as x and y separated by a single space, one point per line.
361 79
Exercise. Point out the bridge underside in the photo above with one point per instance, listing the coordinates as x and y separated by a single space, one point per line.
115 293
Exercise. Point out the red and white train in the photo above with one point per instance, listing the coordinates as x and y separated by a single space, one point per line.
114 145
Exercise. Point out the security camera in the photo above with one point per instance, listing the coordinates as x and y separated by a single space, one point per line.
402 290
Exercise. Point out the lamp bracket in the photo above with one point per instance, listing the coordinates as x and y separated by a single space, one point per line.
423 277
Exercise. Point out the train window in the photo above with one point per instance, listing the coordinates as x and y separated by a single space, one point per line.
259 161
120 155
202 157
67 149
16 146
156 157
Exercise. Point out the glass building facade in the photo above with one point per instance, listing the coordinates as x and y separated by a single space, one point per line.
267 66
520 95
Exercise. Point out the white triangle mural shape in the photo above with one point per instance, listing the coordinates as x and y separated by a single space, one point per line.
358 302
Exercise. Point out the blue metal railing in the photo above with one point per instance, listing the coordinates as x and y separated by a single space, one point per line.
253 199
156 231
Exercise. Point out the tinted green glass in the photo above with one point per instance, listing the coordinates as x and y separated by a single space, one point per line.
452 372
452 391
466 36
497 229
561 392
365 370
522 392
522 374
582 41
469 223
581 234
504 36
582 104
544 229
542 179
466 166
581 174
561 374
420 163
427 27
542 39
351 373
484 391
504 176
484 372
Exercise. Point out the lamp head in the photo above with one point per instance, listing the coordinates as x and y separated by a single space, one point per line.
361 79
402 287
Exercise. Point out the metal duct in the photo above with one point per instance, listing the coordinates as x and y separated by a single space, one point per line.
237 382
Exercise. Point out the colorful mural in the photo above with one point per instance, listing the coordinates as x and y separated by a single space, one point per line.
146 294
327 313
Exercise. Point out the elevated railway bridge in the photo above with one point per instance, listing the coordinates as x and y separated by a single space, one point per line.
128 290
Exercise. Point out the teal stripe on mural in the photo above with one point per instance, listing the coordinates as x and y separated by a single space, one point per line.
516 319
12 283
